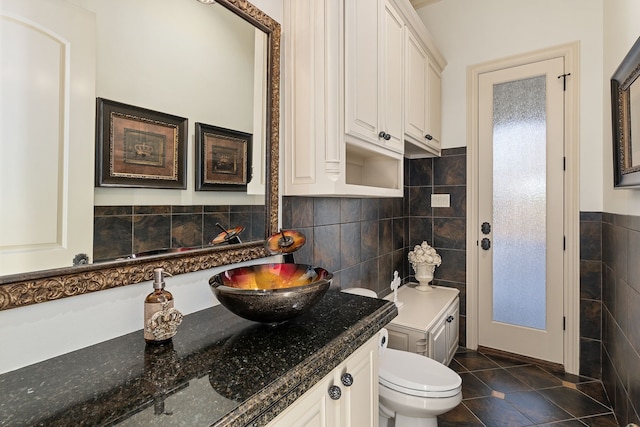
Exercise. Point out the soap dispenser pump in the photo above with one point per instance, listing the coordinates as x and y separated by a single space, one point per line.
161 319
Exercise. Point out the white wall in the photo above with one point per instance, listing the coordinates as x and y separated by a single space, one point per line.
621 30
470 32
39 332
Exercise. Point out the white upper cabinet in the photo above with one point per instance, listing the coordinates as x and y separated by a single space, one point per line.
373 73
346 86
422 101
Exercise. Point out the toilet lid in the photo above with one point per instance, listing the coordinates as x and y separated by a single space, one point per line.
417 375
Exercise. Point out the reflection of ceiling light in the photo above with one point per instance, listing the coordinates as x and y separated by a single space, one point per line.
207 1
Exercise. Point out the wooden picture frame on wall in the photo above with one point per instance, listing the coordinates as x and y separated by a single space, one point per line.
223 158
138 147
625 117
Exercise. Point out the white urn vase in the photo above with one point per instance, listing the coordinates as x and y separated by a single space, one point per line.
424 275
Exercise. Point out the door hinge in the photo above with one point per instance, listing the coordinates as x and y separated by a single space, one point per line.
564 323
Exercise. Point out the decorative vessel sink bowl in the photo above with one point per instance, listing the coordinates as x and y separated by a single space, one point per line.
270 293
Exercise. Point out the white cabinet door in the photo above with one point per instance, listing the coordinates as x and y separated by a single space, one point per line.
416 94
356 379
438 346
453 335
423 95
392 108
444 335
434 125
363 68
311 410
359 401
374 39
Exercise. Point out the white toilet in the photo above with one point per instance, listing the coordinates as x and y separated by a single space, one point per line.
414 389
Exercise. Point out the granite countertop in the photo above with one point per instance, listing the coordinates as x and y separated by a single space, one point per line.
218 370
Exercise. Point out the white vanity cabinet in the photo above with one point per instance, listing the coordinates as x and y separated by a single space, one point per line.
345 86
427 322
347 396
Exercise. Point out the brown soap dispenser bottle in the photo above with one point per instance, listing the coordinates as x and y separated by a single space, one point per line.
161 319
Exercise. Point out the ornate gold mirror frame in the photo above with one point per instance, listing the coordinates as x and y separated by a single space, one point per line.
31 288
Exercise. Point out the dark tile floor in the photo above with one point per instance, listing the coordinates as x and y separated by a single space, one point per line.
498 391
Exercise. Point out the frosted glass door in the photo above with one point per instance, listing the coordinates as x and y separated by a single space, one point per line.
521 201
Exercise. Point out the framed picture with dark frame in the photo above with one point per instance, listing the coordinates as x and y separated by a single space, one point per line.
223 158
625 117
138 147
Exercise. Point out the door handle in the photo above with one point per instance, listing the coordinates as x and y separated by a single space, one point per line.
485 244
485 228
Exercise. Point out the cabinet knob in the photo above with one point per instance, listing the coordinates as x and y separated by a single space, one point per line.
347 379
335 392
384 135
450 319
429 137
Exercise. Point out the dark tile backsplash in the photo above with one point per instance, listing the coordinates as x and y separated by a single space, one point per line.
120 231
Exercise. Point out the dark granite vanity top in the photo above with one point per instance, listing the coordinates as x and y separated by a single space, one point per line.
219 370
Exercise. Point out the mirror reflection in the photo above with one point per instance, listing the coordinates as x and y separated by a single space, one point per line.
192 60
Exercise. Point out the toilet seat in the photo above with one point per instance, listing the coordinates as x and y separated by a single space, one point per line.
417 375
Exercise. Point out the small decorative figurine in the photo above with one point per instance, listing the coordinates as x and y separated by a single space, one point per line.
395 284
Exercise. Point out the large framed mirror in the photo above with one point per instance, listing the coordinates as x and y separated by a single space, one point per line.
625 113
38 285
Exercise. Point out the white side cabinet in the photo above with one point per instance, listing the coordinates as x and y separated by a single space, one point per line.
427 322
347 396
345 94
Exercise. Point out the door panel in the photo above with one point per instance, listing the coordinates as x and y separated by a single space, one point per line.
521 199
46 67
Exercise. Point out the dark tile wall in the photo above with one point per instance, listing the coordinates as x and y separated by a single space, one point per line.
119 231
364 240
443 228
591 294
621 314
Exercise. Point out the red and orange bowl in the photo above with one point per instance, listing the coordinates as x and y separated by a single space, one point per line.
270 293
